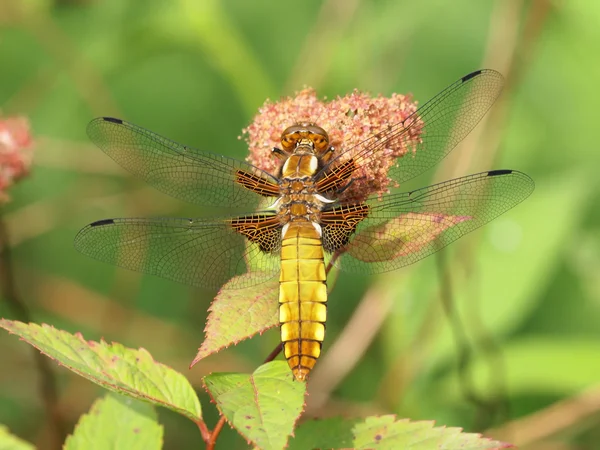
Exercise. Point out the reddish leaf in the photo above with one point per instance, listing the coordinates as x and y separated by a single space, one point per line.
238 314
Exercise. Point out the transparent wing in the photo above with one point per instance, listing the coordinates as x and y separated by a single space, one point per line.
181 171
443 121
404 228
204 253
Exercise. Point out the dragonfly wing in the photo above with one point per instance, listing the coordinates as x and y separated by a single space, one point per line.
181 171
203 253
440 124
400 229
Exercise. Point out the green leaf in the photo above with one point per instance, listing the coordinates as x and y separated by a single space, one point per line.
238 314
11 442
262 407
118 368
117 422
386 432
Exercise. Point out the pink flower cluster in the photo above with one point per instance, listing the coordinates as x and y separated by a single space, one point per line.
348 120
15 152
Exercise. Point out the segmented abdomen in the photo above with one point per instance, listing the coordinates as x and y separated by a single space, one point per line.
302 297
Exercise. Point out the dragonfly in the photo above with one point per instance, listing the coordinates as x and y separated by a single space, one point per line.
293 221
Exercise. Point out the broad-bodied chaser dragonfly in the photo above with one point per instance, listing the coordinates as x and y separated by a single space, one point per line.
298 218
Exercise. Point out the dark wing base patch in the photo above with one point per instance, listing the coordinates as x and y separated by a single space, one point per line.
339 223
261 229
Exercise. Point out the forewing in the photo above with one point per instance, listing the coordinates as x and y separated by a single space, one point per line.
181 171
441 124
203 253
404 228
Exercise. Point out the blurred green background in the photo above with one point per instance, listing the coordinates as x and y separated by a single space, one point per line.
523 356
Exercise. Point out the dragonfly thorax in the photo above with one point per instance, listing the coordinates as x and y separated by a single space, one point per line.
299 201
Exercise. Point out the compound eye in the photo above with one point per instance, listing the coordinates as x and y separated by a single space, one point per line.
288 142
320 142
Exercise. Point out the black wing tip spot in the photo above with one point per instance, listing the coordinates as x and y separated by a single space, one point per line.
102 222
493 173
111 119
471 75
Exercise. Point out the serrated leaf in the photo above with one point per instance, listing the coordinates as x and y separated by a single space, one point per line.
117 422
238 314
9 441
114 366
264 406
385 432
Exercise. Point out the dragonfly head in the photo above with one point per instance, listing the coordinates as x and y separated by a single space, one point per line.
307 136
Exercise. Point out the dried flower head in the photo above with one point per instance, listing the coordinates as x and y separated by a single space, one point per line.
348 120
15 152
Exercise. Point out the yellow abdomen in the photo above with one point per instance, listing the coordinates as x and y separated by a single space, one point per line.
302 297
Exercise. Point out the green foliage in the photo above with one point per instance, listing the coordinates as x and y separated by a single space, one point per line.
329 433
538 366
117 422
11 442
504 305
113 366
385 432
264 406
238 314
196 72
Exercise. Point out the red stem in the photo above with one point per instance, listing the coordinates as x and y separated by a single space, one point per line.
210 445
334 257
204 431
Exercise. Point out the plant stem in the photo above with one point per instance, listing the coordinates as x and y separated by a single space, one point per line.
274 353
331 262
204 431
47 385
488 408
213 439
